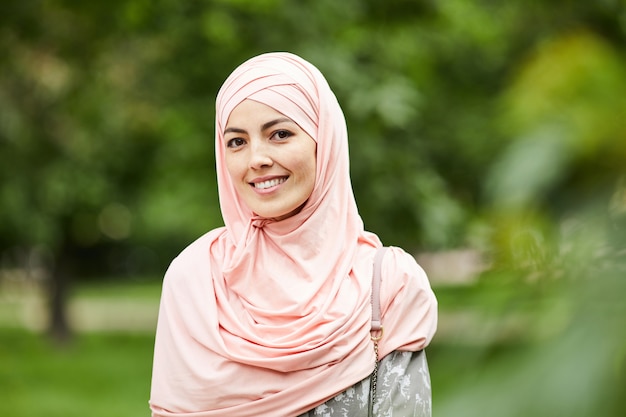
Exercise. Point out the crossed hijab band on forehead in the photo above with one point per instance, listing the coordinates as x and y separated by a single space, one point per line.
285 91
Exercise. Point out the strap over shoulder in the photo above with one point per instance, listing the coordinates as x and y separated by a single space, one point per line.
376 314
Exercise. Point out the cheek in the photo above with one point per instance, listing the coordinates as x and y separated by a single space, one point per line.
232 167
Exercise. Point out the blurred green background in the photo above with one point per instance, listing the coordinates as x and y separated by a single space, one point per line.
487 138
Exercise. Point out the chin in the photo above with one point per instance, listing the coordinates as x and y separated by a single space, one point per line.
280 215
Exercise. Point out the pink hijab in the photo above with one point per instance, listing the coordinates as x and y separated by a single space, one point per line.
266 318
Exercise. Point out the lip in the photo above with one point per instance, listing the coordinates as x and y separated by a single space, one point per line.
280 179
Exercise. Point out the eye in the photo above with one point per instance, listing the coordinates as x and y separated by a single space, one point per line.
282 134
235 143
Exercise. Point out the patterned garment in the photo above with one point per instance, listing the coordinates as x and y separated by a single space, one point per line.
403 390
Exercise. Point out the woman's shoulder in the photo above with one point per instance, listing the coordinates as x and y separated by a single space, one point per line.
201 244
194 257
405 291
397 261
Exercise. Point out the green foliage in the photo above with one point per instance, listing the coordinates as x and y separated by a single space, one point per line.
555 345
498 127
451 106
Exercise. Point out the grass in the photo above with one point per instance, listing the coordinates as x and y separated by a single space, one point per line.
106 371
149 289
107 374
99 375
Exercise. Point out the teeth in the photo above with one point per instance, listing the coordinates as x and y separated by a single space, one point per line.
270 183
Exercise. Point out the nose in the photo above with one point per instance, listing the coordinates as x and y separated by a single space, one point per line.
260 155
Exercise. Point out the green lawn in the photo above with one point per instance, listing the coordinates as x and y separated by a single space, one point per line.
103 374
108 375
99 375
577 371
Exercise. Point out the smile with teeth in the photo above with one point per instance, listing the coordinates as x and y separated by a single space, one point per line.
269 183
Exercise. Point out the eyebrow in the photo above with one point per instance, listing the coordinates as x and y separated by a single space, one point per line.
265 126
275 122
234 130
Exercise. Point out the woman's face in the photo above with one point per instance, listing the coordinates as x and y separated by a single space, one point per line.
270 160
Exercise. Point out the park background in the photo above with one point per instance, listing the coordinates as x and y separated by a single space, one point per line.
487 138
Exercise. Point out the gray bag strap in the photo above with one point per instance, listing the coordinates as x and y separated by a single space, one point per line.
376 320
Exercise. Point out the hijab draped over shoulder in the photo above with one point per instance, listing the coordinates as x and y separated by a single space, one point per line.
272 318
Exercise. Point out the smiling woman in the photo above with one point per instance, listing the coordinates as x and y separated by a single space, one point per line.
270 315
270 160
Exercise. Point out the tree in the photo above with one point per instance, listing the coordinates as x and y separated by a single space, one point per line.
106 115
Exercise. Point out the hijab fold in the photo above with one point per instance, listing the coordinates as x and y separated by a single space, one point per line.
264 317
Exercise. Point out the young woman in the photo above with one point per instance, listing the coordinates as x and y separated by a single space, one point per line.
270 315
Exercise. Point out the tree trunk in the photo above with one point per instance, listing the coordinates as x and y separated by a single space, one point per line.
58 290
